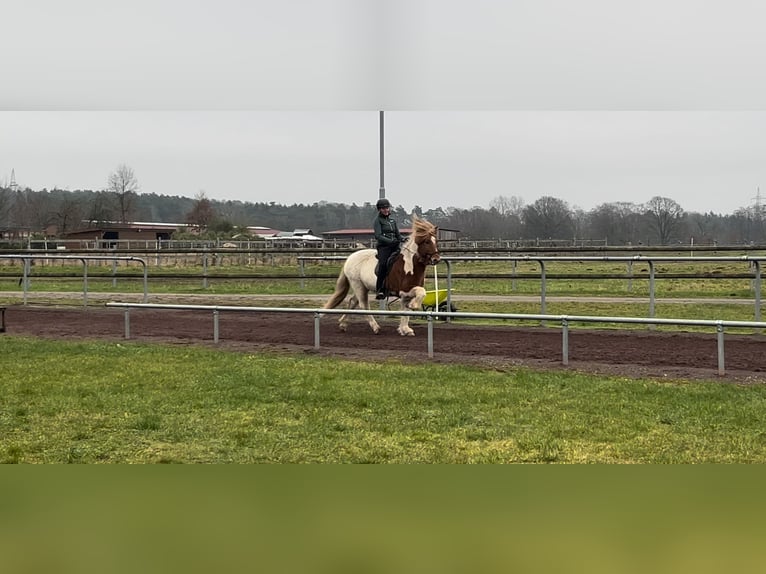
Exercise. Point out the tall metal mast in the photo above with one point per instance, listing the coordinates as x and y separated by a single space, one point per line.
382 190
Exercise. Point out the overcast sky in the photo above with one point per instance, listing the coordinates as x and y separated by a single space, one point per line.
592 101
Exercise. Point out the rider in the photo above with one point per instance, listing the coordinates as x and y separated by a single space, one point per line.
388 239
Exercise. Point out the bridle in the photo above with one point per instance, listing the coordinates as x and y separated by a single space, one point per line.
429 258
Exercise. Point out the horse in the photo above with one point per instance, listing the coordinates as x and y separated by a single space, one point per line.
405 279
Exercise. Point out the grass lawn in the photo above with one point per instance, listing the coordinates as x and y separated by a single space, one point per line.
74 402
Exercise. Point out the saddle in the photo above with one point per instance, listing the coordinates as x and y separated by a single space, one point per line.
389 262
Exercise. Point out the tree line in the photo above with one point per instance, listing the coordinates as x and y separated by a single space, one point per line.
659 221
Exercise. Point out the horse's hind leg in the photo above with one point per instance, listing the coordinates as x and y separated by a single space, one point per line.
353 303
360 295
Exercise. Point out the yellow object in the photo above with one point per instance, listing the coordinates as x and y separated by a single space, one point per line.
434 298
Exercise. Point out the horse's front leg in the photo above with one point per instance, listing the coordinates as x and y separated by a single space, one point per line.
404 328
413 300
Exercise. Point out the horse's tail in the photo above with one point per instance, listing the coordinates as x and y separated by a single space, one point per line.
342 286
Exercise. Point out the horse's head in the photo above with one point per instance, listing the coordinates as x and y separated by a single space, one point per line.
425 239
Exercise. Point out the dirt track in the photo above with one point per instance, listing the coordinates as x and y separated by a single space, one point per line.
629 354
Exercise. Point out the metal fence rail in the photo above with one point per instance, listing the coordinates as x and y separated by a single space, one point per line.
752 261
563 320
84 260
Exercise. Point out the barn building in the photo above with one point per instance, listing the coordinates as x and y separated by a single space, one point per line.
107 234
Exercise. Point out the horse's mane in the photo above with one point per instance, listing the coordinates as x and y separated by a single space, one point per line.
422 229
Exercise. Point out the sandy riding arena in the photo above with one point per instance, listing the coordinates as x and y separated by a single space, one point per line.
641 353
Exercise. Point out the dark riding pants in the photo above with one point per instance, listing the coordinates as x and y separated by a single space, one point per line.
384 252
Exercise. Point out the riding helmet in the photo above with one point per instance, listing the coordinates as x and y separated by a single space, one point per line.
383 202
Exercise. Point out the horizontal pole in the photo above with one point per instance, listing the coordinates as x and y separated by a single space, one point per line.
456 315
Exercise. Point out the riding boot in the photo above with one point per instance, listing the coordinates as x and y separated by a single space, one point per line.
380 290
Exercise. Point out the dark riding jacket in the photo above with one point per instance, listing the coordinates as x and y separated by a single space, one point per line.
386 231
388 237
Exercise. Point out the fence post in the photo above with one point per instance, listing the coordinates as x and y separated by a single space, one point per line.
651 291
25 278
513 275
721 362
84 282
449 288
127 322
430 336
542 288
757 290
204 269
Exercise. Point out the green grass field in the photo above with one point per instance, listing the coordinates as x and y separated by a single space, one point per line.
64 402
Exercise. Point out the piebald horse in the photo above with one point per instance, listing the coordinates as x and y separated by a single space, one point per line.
405 278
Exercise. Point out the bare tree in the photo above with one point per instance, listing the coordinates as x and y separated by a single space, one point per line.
705 226
509 210
507 205
748 224
202 214
665 216
123 183
100 209
67 214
